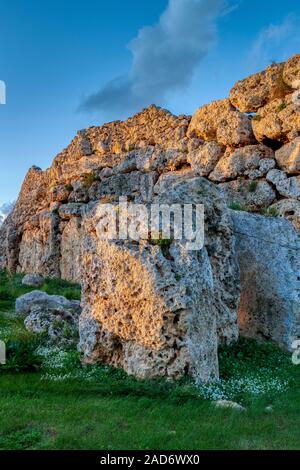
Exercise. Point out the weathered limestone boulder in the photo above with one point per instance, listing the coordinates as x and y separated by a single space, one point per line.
185 188
53 315
70 257
106 146
39 248
158 159
277 122
59 193
288 157
159 312
33 280
132 184
221 122
259 89
68 211
204 158
290 209
248 195
269 257
32 200
291 71
253 161
286 186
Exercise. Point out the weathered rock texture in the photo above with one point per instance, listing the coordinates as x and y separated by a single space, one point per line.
156 313
269 257
219 142
51 315
222 156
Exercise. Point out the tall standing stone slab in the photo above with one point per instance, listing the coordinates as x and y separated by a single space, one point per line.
269 258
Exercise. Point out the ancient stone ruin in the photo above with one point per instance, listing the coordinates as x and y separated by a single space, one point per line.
163 310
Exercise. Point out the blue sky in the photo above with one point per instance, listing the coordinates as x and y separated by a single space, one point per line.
55 54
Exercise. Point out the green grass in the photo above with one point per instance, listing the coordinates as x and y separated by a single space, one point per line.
269 212
11 287
252 187
44 415
281 107
62 405
236 206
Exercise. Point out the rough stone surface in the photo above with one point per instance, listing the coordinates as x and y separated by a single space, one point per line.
252 160
240 192
269 257
258 90
288 157
277 122
33 280
291 71
286 186
204 158
145 311
221 122
39 248
290 209
52 315
230 405
70 259
155 156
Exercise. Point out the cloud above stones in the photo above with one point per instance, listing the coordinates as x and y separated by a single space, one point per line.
276 42
164 58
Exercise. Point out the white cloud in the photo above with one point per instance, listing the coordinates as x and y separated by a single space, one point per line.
276 42
165 57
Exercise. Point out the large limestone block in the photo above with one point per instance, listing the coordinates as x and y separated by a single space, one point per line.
133 184
160 160
286 186
221 122
161 312
290 209
241 192
39 249
252 160
278 122
288 157
291 71
204 158
256 91
186 188
33 280
148 322
33 199
53 315
269 257
70 251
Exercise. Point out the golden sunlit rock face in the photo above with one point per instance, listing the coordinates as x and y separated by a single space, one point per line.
150 312
161 312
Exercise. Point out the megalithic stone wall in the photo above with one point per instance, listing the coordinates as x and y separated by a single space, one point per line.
246 147
156 313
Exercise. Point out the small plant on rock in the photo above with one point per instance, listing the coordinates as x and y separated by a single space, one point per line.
236 206
281 107
163 242
252 186
269 212
90 178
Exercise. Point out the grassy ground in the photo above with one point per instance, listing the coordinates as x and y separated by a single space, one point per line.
48 401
